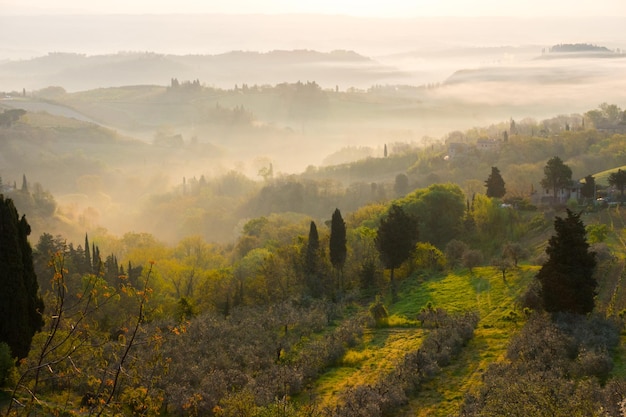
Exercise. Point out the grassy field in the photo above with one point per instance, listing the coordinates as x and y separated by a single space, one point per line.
482 290
602 178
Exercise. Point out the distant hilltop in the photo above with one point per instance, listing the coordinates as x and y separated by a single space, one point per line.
566 50
578 47
76 72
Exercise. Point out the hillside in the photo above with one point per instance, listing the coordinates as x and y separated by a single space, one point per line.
113 181
268 314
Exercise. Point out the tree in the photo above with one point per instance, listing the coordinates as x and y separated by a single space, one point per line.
441 210
24 184
337 244
88 265
514 251
401 186
472 258
313 243
454 251
427 256
566 278
495 184
502 264
21 307
557 176
311 262
588 189
395 239
618 180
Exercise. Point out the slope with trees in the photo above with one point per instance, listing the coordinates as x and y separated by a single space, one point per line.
259 332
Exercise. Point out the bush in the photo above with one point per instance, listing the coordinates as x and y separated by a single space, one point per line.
556 367
391 392
454 251
379 313
472 258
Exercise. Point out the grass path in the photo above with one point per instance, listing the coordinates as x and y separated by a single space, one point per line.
494 299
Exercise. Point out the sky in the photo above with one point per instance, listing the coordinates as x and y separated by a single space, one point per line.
361 8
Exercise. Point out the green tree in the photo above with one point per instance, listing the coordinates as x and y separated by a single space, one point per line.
24 184
337 244
312 263
495 184
514 251
454 252
45 249
618 180
395 239
472 258
557 176
313 246
588 189
441 211
566 278
401 185
21 307
426 256
88 265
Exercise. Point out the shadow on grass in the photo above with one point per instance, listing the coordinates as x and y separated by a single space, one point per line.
479 283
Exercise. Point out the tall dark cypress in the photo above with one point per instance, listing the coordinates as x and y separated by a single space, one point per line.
338 250
312 249
567 277
495 184
21 307
88 264
312 263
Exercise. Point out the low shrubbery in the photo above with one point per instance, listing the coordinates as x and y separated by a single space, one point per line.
448 334
556 366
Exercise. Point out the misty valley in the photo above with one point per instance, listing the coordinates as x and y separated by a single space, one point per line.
301 233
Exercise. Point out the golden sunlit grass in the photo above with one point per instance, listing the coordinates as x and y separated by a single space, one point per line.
603 177
364 364
483 291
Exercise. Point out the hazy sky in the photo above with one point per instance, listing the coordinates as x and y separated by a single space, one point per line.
377 8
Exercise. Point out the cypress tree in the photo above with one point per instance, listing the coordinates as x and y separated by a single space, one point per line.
337 244
495 184
311 262
21 307
88 264
314 239
566 278
24 184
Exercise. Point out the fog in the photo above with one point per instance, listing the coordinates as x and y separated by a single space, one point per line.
111 135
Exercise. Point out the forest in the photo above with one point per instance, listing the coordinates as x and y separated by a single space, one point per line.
453 277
